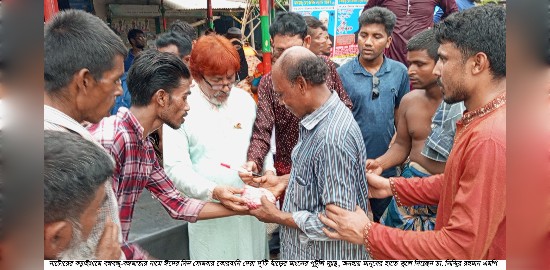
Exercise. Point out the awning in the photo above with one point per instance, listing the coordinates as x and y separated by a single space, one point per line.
201 4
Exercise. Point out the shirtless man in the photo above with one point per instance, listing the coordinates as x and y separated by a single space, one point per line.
414 126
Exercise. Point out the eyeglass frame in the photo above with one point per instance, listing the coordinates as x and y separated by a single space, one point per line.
375 90
230 85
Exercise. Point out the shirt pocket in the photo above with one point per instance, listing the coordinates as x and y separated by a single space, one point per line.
301 181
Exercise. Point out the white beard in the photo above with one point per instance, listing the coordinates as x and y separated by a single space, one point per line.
79 249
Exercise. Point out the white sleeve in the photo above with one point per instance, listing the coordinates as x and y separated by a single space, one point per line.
178 165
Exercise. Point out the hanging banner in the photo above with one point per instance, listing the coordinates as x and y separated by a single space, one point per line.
341 17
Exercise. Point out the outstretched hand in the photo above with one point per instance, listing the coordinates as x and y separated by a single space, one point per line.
226 196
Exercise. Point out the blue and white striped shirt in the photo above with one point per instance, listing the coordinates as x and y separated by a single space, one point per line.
328 167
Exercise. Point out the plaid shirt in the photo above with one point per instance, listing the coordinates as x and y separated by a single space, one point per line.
440 142
137 168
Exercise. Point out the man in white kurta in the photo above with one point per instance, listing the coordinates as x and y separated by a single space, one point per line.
214 134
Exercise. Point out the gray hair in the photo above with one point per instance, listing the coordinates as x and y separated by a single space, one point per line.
74 169
309 66
74 40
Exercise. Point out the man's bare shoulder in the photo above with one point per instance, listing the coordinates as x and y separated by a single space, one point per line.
413 98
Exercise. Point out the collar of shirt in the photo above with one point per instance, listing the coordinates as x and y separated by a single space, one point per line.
59 118
311 120
496 103
359 69
125 115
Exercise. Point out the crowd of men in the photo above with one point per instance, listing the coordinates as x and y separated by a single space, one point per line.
412 130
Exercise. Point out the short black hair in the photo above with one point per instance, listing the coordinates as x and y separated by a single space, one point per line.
183 43
184 29
74 40
424 40
153 70
311 67
288 24
378 15
313 23
74 169
132 34
478 29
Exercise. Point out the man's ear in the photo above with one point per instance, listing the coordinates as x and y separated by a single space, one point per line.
390 39
480 63
302 84
57 236
161 97
307 41
187 59
84 80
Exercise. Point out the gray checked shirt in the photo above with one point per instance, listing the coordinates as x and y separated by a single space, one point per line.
327 168
440 142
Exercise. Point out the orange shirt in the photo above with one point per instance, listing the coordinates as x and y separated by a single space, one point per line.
471 197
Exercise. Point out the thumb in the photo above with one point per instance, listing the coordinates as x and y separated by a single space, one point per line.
236 190
359 209
264 200
248 166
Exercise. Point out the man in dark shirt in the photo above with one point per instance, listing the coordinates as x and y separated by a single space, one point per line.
412 17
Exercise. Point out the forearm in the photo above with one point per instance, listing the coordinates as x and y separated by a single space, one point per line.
416 190
215 210
287 220
396 155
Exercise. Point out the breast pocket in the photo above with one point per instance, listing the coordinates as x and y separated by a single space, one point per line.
302 181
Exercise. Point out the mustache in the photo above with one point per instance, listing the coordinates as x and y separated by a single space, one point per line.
439 82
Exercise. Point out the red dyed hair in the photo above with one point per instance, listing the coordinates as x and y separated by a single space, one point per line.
213 55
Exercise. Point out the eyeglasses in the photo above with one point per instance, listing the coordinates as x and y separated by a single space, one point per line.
375 91
218 87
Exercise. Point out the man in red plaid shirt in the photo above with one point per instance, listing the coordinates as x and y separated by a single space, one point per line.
159 84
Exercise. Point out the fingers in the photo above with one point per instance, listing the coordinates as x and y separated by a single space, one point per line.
246 177
258 181
333 211
236 207
332 235
265 201
360 210
250 166
328 222
113 230
108 247
236 190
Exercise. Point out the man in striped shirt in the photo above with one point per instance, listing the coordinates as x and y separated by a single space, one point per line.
328 162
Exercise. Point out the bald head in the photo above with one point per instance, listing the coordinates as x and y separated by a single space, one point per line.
297 62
